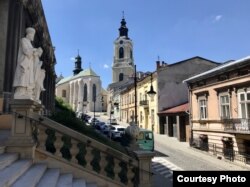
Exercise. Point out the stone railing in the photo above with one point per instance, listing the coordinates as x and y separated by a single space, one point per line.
76 148
36 137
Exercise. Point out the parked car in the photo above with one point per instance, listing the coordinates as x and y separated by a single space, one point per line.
98 125
116 131
146 140
105 129
113 121
91 120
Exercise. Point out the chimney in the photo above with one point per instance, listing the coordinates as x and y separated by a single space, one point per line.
158 65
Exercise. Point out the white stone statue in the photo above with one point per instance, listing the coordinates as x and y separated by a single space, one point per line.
24 75
39 74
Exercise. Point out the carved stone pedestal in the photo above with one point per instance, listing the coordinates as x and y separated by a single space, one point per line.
21 140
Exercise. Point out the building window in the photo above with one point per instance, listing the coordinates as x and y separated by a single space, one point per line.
94 93
141 117
63 93
85 92
131 54
224 106
203 108
121 52
244 102
121 77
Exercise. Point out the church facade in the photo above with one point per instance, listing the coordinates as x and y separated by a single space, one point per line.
83 91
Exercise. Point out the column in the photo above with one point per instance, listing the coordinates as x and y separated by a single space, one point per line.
74 95
166 126
80 96
178 127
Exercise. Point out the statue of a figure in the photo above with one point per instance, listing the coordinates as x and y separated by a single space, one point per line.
39 74
24 75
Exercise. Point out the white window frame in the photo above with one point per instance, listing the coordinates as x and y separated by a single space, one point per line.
245 102
203 106
221 105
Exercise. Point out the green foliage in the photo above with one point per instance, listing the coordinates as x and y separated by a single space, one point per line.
126 139
65 150
123 173
81 155
65 116
51 138
110 166
95 163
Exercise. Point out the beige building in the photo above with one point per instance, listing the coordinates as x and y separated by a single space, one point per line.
220 110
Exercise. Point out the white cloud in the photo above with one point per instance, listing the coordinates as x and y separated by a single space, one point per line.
72 58
217 18
105 66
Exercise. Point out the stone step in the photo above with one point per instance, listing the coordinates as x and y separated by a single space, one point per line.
2 149
11 173
7 158
91 185
79 183
31 177
65 180
49 178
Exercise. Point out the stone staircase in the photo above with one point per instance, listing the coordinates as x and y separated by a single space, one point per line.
17 172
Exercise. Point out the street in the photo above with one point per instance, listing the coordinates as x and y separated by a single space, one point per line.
174 155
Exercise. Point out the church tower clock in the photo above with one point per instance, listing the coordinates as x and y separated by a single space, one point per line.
123 64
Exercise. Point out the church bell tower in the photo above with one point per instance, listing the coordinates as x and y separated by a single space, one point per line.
123 64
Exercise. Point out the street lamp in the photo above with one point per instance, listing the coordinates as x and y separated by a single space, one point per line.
151 92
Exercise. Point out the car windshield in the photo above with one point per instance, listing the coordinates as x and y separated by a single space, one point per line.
120 129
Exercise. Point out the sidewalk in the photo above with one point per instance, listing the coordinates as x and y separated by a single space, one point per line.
184 147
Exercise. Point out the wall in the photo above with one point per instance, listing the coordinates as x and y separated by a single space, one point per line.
172 90
4 7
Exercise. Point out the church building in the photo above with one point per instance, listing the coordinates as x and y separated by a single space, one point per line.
83 91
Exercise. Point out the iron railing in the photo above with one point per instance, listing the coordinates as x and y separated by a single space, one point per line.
144 103
237 125
219 150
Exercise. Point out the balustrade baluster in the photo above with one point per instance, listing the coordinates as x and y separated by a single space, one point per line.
117 169
130 176
88 157
41 137
58 144
74 150
103 163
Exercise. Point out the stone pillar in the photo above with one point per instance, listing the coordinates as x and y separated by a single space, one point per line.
80 97
145 174
178 127
21 140
166 126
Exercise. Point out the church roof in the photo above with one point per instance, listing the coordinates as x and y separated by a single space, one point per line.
84 73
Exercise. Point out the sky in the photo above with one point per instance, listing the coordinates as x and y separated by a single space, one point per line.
174 30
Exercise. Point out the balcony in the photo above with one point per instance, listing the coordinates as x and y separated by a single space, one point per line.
144 103
237 125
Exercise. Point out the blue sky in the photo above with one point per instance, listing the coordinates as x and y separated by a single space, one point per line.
175 30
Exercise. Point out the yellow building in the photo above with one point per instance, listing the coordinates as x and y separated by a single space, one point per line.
147 107
220 110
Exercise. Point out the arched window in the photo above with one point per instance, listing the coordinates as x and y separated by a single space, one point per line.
121 52
94 93
85 92
121 77
131 54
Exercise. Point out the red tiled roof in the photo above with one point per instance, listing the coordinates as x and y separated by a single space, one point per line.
176 109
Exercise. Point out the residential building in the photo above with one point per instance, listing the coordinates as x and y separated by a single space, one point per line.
148 106
173 94
220 110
